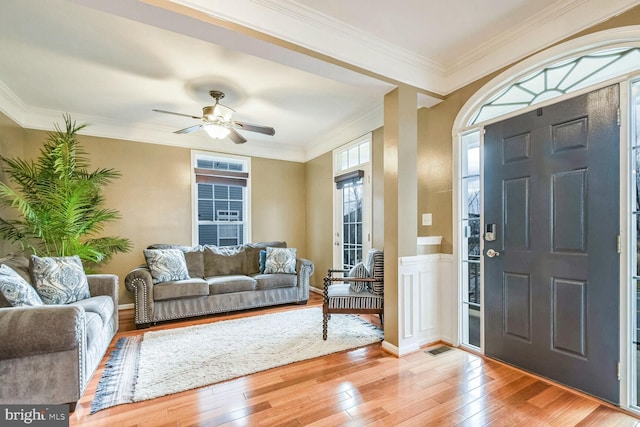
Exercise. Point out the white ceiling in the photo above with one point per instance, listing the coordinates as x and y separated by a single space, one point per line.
315 70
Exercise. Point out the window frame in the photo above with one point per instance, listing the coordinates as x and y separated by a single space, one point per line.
209 155
364 163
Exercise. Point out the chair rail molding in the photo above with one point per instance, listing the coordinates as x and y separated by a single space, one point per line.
426 302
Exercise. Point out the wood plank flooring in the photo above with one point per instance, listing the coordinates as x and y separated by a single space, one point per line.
362 387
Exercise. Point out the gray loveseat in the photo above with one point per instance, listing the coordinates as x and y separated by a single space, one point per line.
221 279
49 353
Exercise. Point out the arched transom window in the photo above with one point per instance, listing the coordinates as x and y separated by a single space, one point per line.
559 79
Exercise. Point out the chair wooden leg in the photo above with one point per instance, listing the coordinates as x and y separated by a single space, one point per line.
381 318
325 321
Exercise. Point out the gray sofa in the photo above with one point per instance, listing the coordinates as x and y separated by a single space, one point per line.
222 279
49 353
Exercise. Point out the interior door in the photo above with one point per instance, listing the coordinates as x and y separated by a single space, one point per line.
552 272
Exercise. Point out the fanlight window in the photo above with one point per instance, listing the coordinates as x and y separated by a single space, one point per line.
561 78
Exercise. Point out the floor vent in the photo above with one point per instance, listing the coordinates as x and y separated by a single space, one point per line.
438 350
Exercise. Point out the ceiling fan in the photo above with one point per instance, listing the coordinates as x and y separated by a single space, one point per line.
216 121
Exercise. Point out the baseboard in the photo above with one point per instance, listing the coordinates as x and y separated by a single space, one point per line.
314 289
390 348
125 307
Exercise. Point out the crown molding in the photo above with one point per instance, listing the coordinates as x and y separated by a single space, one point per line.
351 130
11 105
326 36
43 119
543 29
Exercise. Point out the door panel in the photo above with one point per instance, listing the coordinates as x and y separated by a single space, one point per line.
552 293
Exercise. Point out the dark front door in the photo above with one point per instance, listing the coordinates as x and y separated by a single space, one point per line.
552 289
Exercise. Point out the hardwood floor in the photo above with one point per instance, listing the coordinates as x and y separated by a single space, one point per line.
362 387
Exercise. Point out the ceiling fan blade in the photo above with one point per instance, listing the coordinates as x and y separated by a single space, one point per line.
255 128
177 114
189 129
236 137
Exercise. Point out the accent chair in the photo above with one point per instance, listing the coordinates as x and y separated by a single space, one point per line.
356 291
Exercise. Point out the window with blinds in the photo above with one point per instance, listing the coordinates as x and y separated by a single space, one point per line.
221 191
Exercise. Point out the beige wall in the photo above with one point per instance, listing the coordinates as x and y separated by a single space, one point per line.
278 203
319 199
377 189
320 193
11 143
154 194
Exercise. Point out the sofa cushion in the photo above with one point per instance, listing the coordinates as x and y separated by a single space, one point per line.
223 260
252 250
16 290
166 264
101 305
229 284
59 280
180 289
280 260
94 326
19 264
273 281
195 263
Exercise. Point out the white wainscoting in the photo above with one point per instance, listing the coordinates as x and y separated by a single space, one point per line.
426 301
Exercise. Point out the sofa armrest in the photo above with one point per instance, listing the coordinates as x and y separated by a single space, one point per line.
106 284
304 267
140 283
26 331
103 284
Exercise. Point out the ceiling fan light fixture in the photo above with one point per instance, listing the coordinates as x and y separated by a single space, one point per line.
216 131
223 112
216 121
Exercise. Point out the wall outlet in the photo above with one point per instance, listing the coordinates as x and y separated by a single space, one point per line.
426 219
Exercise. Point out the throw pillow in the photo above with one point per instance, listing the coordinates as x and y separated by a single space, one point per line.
17 291
280 260
359 270
263 260
59 280
166 265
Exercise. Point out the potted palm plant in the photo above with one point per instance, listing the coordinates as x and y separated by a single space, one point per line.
59 201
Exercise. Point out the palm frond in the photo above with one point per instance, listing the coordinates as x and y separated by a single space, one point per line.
60 201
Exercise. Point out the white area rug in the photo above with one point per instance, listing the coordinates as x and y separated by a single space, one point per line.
175 360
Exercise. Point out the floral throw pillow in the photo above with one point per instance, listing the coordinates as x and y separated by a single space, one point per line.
166 265
59 280
280 260
17 291
359 270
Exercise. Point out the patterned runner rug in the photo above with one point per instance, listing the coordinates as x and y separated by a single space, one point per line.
170 361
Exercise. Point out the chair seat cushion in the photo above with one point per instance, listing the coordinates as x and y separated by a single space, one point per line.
342 297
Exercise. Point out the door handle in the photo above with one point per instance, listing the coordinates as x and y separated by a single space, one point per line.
491 253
